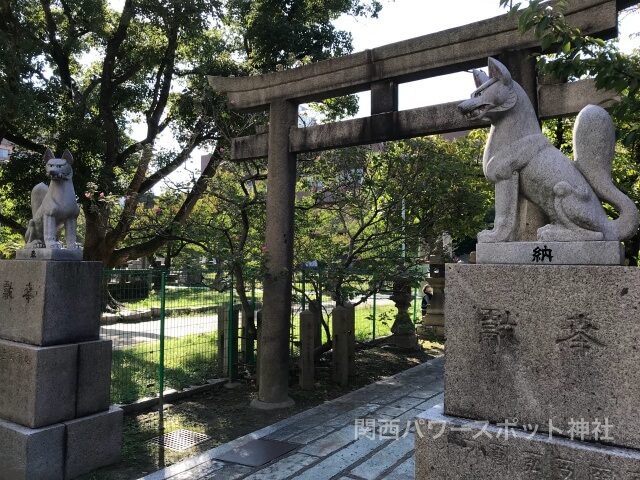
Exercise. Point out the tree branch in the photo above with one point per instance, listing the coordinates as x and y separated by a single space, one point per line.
14 226
60 57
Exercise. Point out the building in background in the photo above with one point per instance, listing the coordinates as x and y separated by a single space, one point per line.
6 148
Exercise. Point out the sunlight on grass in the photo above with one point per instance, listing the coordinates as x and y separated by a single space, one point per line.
189 360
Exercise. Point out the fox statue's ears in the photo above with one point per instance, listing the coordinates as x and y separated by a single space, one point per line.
498 71
48 155
68 157
480 77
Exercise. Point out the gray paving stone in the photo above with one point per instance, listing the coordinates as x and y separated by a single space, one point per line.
330 443
312 434
350 416
341 451
389 412
426 394
406 402
201 471
342 459
393 395
407 419
432 402
302 425
405 471
228 472
283 468
384 459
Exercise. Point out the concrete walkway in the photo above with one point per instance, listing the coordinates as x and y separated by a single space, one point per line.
366 434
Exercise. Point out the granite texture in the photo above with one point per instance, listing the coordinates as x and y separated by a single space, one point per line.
93 441
450 448
550 253
58 254
540 344
49 303
94 377
28 454
521 162
37 384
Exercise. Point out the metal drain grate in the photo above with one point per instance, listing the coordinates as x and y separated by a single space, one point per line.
179 440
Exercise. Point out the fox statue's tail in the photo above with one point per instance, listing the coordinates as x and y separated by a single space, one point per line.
593 146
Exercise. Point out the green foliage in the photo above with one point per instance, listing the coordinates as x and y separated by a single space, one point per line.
362 211
275 34
77 74
569 54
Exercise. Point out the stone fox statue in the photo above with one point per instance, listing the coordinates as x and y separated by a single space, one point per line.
54 206
521 162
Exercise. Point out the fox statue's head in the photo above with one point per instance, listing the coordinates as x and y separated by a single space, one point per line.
494 93
58 168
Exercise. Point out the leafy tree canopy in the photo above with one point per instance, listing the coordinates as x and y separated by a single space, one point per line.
78 74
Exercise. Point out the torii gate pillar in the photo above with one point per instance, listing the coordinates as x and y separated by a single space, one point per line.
273 334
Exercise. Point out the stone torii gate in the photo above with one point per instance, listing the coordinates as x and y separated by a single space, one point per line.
380 71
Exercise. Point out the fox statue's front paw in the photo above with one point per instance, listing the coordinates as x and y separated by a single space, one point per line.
74 246
35 244
487 236
54 245
494 236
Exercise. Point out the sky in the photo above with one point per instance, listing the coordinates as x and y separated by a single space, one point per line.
404 19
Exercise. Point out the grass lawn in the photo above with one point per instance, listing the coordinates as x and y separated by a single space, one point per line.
189 360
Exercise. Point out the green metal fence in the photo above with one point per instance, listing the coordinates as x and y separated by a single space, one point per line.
164 326
163 332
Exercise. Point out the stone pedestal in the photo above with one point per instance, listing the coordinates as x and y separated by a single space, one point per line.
37 384
58 254
454 448
434 319
403 331
550 253
548 353
49 303
55 420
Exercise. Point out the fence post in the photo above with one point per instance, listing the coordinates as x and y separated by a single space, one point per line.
307 334
320 304
415 304
251 345
162 326
304 291
232 332
375 294
223 315
343 339
350 328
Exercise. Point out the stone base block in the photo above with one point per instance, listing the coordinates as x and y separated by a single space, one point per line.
551 253
549 346
94 441
27 454
37 384
94 377
60 254
50 303
453 448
